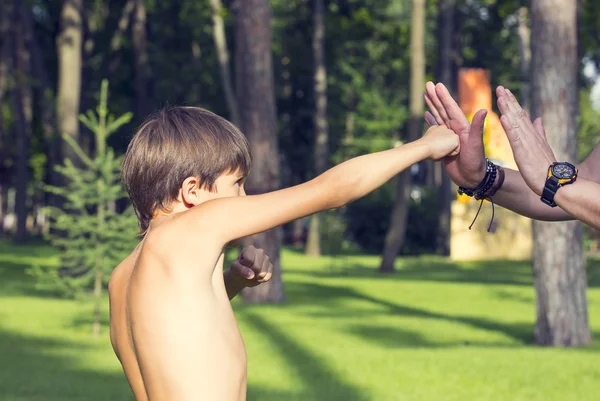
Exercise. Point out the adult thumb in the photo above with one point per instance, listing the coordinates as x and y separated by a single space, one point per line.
477 128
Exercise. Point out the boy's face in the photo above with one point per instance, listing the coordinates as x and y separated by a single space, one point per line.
230 184
227 185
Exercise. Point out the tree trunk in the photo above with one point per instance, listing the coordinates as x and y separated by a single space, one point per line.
44 102
256 96
68 45
394 239
142 68
298 234
24 111
117 40
5 67
558 263
444 74
313 244
525 59
223 56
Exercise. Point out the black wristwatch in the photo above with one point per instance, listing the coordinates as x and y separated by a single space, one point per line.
559 174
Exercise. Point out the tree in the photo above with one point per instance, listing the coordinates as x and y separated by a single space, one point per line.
69 43
93 237
313 244
397 230
223 55
5 68
44 101
558 263
117 39
256 99
23 100
444 73
525 58
142 67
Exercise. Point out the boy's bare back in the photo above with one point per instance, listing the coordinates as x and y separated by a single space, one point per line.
172 325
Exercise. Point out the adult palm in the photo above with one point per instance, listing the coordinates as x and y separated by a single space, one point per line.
467 169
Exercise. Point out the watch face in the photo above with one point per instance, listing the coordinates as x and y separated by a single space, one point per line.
563 171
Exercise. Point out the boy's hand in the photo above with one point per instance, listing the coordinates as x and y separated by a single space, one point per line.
252 267
441 142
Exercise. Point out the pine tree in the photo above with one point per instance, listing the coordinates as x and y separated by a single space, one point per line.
93 237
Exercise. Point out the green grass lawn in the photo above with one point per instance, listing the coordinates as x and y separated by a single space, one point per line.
436 330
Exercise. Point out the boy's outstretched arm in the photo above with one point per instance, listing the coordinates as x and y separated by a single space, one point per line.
236 217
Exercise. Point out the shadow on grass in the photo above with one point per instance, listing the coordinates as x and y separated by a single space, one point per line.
85 320
396 337
334 299
310 293
434 269
319 382
33 369
503 272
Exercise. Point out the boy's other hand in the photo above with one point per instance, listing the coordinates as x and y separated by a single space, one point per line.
252 267
441 142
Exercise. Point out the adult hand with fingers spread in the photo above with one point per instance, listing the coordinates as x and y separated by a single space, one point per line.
468 168
531 150
552 183
470 171
538 184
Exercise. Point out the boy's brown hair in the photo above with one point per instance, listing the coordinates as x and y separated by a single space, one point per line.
176 143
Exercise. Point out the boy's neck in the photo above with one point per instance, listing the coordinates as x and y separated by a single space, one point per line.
173 209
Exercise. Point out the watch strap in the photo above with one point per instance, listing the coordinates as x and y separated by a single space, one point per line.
549 191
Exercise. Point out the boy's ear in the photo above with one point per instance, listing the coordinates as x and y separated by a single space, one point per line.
190 192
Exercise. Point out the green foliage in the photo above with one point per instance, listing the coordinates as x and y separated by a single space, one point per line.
589 30
333 229
589 125
371 74
369 218
588 137
367 60
92 235
368 221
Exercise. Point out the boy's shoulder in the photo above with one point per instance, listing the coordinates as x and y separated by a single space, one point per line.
123 270
182 233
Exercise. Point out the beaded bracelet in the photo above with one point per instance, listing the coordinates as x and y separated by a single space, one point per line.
490 168
486 189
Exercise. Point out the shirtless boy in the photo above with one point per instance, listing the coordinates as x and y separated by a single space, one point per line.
172 325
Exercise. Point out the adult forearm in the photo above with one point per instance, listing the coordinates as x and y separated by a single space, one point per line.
581 200
516 195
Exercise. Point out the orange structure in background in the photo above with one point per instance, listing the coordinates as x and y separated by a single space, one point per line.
475 93
511 234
